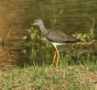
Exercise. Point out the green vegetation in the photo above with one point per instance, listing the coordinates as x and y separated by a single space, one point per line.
34 43
48 78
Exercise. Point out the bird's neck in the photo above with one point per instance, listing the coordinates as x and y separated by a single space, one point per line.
43 29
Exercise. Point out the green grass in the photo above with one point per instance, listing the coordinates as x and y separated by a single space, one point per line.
74 77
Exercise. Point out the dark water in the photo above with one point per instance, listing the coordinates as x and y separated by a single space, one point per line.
68 16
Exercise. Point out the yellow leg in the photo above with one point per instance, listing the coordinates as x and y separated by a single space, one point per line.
57 57
54 58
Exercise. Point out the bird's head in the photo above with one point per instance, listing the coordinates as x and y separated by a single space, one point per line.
38 22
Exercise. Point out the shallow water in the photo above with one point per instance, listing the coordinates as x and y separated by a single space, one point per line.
66 15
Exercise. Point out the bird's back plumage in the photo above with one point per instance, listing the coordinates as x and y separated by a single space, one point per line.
58 36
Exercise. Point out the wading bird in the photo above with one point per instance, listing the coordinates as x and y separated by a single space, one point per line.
55 37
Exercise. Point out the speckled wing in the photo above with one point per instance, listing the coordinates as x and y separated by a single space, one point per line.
58 36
